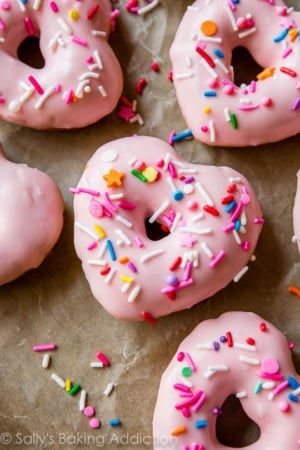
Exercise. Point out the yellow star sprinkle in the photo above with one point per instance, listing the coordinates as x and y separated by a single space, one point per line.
113 178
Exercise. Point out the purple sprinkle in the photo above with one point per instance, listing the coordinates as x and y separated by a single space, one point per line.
223 339
216 345
189 180
132 267
296 104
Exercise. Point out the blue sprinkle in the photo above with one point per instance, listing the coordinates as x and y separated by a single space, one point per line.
293 398
210 93
219 53
281 36
111 250
230 206
178 195
293 383
115 422
236 2
182 135
237 225
258 387
201 424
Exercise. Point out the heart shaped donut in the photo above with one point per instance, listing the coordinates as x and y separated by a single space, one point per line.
240 355
296 213
216 109
208 220
31 218
73 79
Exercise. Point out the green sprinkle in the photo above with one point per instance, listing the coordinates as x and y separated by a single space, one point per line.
139 175
76 388
186 371
258 387
233 121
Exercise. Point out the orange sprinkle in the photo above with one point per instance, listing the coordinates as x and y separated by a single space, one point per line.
293 34
178 430
294 290
266 73
113 178
123 260
209 27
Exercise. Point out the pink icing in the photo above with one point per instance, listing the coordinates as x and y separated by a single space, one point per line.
222 370
296 212
135 277
31 218
81 81
221 113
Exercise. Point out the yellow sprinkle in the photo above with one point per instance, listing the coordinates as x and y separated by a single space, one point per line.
126 279
99 230
178 430
123 260
207 109
266 73
150 173
74 14
68 386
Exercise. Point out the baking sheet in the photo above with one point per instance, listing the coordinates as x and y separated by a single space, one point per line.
54 304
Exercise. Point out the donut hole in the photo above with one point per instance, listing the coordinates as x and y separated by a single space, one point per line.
155 231
245 67
29 52
233 427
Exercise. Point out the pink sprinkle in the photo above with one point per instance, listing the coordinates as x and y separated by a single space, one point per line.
191 401
172 170
204 128
180 356
188 271
199 403
29 26
228 227
258 220
103 359
190 362
231 4
5 5
95 423
89 411
89 191
126 205
138 241
79 40
252 86
248 107
109 202
53 6
214 262
182 387
69 97
229 89
2 100
44 347
267 102
90 60
213 83
170 138
237 212
246 246
132 267
284 406
185 412
92 245
287 52
280 387
270 365
2 25
36 85
270 376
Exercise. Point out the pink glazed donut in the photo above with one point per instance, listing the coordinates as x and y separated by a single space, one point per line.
31 218
237 354
81 80
210 216
217 111
296 213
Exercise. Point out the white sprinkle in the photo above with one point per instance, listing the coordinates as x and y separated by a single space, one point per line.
236 237
219 63
212 370
37 4
240 274
197 217
268 385
92 67
109 388
184 75
118 196
109 276
125 288
2 39
205 346
27 95
231 16
247 33
296 391
195 230
46 361
97 262
167 160
251 361
98 59
124 238
175 222
99 33
96 364
124 221
235 180
134 294
102 250
148 7
216 40
82 400
241 346
193 8
65 27
21 5
58 380
189 61
208 68
151 255
206 249
184 381
227 114
187 171
102 91
241 394
160 210
49 91
54 41
80 88
88 75
14 106
87 231
212 131
243 217
204 194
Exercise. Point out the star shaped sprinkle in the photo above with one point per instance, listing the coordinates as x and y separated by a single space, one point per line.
113 178
187 240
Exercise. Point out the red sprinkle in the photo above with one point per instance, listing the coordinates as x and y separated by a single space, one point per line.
92 11
140 85
211 210
175 264
170 75
263 326
227 199
288 71
205 56
103 359
250 341
105 271
231 188
131 4
148 317
155 67
229 339
171 295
